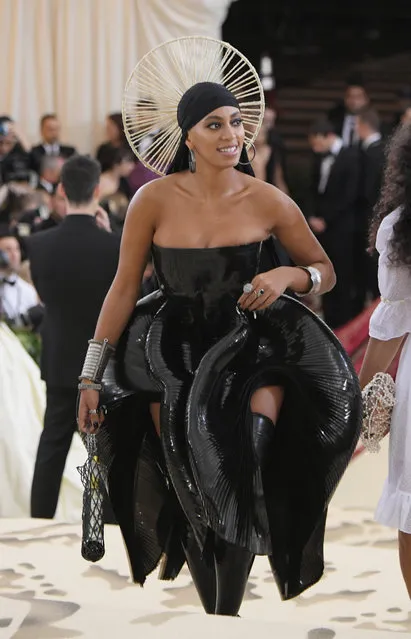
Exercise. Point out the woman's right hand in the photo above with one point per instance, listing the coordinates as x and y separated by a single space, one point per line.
88 421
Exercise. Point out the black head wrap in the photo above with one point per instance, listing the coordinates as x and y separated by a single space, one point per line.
197 102
200 100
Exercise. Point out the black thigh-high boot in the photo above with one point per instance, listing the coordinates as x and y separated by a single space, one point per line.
263 433
233 565
203 573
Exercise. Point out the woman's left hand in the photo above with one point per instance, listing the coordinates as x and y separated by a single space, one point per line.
267 287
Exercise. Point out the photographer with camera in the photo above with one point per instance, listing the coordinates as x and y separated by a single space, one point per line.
19 304
14 159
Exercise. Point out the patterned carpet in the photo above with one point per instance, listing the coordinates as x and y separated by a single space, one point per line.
49 592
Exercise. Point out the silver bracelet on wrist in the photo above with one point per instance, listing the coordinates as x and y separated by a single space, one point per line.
98 354
315 277
89 386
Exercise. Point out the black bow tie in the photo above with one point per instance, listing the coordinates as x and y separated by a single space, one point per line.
7 281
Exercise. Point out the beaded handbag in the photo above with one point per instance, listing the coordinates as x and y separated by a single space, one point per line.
378 402
94 478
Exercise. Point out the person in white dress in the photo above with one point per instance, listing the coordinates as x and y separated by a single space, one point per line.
22 404
390 326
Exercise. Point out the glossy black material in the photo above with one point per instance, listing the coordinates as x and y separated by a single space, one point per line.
221 477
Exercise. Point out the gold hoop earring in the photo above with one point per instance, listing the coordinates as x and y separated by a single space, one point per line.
249 161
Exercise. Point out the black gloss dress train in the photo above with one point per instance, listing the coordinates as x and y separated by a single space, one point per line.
213 481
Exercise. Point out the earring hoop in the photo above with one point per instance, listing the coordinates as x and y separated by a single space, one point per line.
192 165
249 161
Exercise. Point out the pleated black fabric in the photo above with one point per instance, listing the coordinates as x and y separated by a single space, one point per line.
190 347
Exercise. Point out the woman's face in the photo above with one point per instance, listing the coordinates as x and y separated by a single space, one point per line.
112 131
218 138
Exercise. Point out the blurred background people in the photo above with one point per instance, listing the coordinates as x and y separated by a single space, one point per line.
115 139
56 213
372 156
342 116
115 192
269 161
335 178
17 296
14 159
49 174
50 145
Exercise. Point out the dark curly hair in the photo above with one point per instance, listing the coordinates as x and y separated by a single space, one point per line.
395 193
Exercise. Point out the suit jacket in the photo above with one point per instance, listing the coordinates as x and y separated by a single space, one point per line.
336 116
38 152
72 268
337 205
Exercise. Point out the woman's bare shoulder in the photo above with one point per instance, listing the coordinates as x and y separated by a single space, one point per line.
269 195
156 189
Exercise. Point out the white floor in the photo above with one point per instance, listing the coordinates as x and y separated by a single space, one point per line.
47 591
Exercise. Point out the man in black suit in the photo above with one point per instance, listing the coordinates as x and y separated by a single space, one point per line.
72 267
335 191
50 145
343 115
372 155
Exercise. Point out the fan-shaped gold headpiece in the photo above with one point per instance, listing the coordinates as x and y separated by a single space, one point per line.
161 78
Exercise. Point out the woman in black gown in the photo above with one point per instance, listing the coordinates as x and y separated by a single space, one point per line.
231 415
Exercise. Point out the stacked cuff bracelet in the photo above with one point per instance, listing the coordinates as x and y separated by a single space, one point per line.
315 277
98 355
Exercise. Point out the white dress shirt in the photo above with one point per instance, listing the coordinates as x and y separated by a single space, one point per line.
52 149
47 186
16 296
349 134
327 163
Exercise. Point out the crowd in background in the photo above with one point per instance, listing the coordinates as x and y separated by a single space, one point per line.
30 202
348 146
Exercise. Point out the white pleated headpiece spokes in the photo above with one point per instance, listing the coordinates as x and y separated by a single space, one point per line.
161 78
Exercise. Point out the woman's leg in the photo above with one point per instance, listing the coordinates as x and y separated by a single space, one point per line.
203 575
265 406
267 401
404 540
233 564
155 416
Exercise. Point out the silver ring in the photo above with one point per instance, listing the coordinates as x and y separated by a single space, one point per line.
248 288
93 411
260 292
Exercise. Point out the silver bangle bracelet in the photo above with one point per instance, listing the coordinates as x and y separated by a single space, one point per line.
315 277
98 354
89 386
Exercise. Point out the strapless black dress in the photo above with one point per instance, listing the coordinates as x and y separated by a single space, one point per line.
190 347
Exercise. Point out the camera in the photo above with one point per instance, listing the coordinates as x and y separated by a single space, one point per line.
4 128
31 319
4 261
